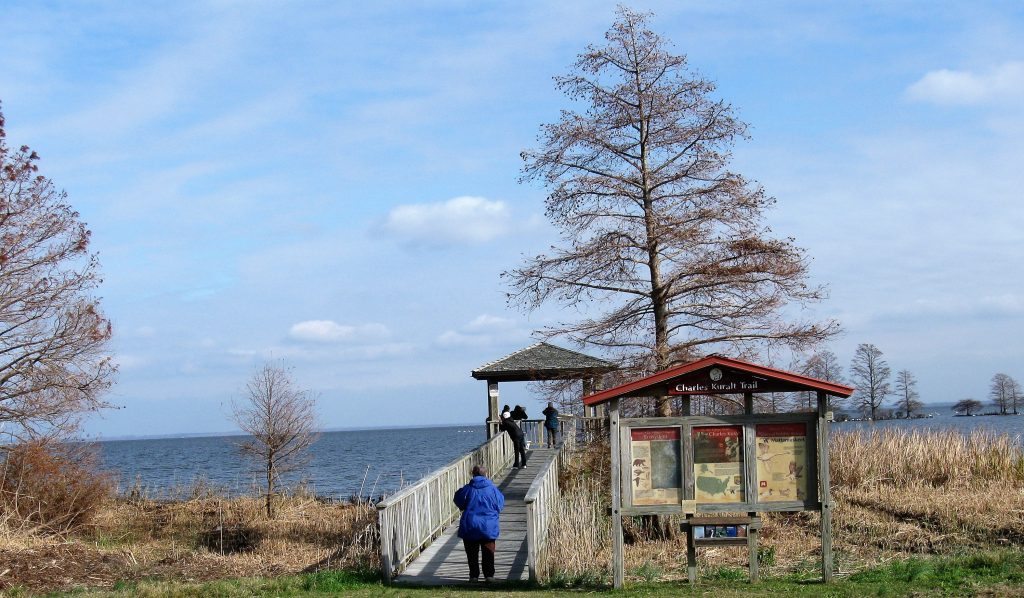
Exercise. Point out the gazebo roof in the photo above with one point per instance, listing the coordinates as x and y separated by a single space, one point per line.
542 361
733 376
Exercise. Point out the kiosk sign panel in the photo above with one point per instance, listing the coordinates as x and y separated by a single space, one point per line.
782 464
655 471
718 464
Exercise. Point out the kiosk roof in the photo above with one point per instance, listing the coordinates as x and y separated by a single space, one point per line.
687 379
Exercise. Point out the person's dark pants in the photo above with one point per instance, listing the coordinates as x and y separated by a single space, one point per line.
473 554
552 437
519 445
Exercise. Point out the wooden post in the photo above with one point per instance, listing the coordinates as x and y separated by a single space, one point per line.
748 408
492 408
618 565
386 523
691 551
826 491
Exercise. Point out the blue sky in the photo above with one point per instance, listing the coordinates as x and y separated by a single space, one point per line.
335 184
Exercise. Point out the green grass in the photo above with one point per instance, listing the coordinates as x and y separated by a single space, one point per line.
994 574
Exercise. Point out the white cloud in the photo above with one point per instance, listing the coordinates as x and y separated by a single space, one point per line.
328 331
464 219
949 87
484 331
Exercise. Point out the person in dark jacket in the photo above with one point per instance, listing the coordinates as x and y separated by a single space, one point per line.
519 413
551 423
518 438
481 503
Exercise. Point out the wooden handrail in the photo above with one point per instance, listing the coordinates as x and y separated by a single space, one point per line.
540 500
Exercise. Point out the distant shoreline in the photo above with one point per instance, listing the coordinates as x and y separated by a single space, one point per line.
178 436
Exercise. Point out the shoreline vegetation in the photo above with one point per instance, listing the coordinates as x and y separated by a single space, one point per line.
924 501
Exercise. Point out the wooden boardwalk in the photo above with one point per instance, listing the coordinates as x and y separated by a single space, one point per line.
443 563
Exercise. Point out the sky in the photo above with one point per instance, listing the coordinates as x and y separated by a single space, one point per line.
336 185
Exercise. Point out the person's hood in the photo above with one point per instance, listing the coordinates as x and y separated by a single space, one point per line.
480 482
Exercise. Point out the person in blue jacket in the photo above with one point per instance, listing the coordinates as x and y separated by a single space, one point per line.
480 502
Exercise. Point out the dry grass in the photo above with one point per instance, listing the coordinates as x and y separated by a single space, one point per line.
203 538
895 494
937 458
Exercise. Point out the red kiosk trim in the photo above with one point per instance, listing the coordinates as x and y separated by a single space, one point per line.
793 382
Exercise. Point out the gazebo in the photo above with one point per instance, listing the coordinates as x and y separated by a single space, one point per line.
540 361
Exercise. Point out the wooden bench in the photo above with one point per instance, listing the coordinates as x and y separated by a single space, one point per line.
751 523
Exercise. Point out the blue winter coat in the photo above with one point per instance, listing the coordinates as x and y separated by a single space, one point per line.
480 502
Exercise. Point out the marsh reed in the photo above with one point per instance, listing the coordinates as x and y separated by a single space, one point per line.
941 458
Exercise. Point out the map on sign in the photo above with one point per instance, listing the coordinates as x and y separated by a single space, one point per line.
781 462
655 475
718 464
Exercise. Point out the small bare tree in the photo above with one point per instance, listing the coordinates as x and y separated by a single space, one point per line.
906 393
870 374
281 422
823 365
966 406
1003 392
54 360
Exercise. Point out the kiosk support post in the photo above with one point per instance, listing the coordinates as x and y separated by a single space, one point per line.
618 566
748 407
826 492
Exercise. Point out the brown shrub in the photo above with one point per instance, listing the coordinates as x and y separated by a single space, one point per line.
51 487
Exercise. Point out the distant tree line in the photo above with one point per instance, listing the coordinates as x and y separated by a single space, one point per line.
1004 392
878 394
871 375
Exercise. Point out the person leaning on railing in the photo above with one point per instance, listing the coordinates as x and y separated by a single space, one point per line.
509 425
481 503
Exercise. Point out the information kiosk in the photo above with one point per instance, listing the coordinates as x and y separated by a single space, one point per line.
720 471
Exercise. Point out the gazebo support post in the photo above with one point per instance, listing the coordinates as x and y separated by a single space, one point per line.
492 409
826 491
618 566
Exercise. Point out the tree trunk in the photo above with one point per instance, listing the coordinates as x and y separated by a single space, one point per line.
270 487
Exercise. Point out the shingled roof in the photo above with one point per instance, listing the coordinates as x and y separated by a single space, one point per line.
542 361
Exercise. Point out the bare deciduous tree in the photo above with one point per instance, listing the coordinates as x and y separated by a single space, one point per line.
1003 392
966 406
823 365
281 422
906 393
53 364
664 249
870 374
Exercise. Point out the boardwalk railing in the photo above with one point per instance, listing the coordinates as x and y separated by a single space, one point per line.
413 517
572 430
541 501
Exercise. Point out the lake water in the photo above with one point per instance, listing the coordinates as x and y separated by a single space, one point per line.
377 462
944 419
